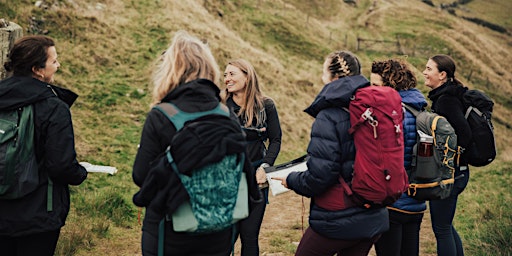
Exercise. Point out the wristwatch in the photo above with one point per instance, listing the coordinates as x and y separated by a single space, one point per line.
264 165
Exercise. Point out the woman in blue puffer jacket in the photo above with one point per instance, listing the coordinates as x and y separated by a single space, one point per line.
336 225
406 214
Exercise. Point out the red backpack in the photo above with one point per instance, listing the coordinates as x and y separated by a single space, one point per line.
376 116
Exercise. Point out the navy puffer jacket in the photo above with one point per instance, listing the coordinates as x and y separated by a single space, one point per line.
415 99
332 152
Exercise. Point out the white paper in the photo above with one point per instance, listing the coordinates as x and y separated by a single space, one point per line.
99 168
297 165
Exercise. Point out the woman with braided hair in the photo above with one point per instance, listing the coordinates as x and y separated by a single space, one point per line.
406 214
336 224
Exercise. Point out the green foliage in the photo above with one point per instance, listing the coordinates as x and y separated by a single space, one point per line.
9 10
282 241
484 218
109 203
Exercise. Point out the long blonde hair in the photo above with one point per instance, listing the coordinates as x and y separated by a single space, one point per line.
253 107
186 59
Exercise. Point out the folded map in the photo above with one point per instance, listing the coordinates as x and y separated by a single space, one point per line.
282 170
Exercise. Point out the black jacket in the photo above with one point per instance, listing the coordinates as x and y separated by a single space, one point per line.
157 135
55 152
258 152
447 101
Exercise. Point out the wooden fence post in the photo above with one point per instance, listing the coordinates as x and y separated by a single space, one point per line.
9 32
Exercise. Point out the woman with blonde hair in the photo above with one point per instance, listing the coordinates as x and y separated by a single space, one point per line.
260 121
185 76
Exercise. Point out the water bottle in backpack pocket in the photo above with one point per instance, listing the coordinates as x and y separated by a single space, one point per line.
435 156
423 153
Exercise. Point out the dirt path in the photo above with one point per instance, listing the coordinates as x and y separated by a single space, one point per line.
285 217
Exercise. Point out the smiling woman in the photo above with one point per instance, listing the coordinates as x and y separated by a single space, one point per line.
260 121
30 223
446 95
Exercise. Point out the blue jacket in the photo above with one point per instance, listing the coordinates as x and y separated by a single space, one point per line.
332 152
415 99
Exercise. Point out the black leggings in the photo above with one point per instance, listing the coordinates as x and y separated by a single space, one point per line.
403 236
40 244
249 229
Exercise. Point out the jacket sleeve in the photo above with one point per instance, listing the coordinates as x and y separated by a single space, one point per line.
156 135
273 131
409 132
59 145
451 107
330 150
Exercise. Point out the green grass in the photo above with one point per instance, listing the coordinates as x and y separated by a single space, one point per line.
484 216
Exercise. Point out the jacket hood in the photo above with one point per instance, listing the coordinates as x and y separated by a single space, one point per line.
19 91
199 90
413 97
448 88
337 94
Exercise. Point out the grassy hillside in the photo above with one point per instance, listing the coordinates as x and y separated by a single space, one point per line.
107 48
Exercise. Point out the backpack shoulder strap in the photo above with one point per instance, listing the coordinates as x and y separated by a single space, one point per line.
179 117
413 111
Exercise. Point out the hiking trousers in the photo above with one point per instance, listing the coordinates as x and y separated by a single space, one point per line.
403 236
249 228
442 213
185 244
314 244
40 244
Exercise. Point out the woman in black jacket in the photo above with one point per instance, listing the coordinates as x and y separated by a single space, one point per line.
184 77
31 225
260 121
446 95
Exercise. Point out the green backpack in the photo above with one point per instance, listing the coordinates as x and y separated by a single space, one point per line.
435 156
18 166
218 191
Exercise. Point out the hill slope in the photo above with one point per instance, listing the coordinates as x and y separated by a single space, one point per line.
107 49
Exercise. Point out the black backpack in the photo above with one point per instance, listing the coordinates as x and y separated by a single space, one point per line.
18 165
478 114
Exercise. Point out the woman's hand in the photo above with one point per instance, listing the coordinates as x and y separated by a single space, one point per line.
282 179
261 175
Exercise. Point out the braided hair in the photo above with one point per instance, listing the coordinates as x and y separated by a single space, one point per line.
342 63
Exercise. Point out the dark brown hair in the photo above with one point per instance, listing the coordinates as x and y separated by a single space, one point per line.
395 74
28 52
445 63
